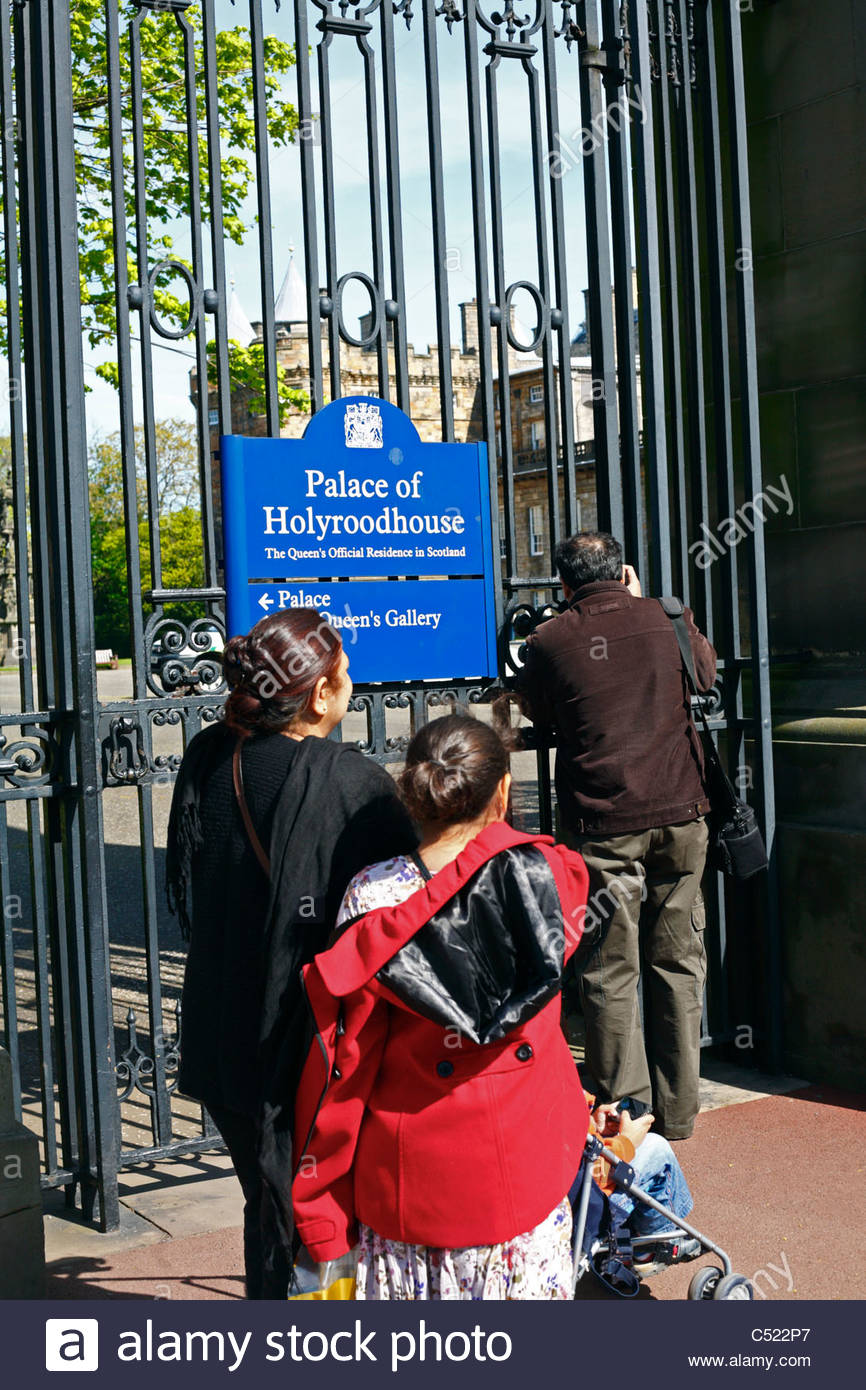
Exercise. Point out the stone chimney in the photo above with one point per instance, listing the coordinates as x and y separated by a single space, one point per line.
469 326
366 322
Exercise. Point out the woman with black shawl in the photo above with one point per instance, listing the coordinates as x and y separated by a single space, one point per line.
270 820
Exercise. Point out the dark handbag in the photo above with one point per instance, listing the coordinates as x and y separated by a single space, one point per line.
736 844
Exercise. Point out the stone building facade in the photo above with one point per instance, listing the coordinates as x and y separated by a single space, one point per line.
534 543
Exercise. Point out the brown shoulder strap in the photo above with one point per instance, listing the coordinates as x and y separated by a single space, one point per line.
238 777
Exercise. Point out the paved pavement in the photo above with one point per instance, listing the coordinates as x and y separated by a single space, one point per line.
778 1182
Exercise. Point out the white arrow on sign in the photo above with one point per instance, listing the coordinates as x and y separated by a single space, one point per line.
266 602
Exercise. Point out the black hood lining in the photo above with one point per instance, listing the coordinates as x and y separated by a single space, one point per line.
492 957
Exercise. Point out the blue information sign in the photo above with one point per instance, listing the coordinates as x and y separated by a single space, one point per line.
388 537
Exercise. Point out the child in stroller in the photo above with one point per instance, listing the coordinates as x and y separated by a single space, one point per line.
630 1199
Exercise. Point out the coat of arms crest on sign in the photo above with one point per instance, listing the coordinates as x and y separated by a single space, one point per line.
363 426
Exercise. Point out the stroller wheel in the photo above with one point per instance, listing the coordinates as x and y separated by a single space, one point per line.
733 1286
705 1282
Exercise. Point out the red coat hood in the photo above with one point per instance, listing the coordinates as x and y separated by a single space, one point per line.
357 956
480 948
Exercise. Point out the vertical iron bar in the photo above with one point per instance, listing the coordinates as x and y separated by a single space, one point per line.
619 173
11 135
437 204
717 298
308 198
195 223
263 194
41 967
560 279
693 318
671 300
328 210
161 1101
395 217
123 349
7 969
211 81
143 270
504 378
594 112
374 182
482 292
650 307
551 432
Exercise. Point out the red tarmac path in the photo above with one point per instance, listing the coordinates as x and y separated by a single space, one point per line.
779 1182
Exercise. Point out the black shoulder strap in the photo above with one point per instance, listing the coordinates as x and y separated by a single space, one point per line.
675 609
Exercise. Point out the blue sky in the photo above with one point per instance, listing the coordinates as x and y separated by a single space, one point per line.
352 197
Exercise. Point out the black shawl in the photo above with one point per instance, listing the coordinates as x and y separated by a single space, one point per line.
338 812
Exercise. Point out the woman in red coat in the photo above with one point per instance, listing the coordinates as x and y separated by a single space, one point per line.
440 1119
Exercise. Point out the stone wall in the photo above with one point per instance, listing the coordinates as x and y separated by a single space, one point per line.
806 106
806 76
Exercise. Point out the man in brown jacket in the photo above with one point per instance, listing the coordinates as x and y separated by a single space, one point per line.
606 674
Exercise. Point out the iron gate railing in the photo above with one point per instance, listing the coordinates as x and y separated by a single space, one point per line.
91 968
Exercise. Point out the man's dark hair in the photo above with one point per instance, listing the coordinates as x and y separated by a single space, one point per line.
588 557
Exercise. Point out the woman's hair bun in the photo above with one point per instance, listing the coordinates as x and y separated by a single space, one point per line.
272 671
453 767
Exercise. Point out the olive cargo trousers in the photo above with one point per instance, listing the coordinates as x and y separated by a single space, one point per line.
645 889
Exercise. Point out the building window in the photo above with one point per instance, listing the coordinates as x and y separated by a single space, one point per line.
536 393
539 598
503 552
536 530
536 435
213 418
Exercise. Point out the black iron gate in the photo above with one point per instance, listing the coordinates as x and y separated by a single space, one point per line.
91 969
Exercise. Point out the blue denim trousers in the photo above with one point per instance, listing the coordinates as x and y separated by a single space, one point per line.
659 1174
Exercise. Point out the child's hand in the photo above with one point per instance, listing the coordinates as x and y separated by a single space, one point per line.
606 1119
636 1130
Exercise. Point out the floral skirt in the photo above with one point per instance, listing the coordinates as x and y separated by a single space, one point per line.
536 1265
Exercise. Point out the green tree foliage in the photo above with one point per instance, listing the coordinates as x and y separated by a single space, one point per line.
180 535
247 369
166 157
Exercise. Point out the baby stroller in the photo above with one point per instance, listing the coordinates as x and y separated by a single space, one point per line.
609 1249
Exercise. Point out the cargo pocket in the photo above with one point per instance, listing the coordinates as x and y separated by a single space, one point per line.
699 924
699 913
